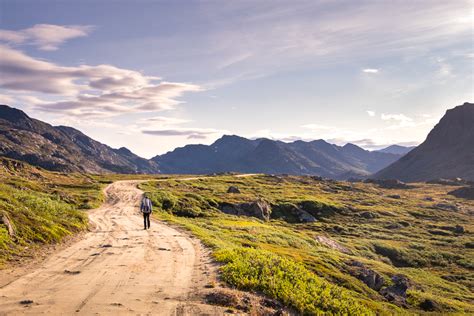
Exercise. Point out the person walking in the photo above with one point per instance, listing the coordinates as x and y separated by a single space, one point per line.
146 209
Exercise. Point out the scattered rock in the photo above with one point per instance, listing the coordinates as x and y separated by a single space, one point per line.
404 223
464 193
26 302
164 249
397 293
458 229
371 278
332 244
6 221
72 272
233 189
395 196
429 305
116 304
106 246
368 215
389 183
429 198
259 209
447 207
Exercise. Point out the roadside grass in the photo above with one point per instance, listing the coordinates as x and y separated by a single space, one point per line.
285 261
41 207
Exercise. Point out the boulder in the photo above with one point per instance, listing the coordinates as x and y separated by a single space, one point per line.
397 293
454 182
259 209
463 193
371 278
368 215
233 189
429 305
291 213
395 196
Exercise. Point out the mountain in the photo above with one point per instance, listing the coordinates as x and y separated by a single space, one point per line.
62 148
237 154
447 152
396 149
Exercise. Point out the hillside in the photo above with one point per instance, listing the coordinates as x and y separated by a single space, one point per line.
238 154
447 152
62 148
396 149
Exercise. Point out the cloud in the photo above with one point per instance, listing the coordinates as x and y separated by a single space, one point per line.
191 133
89 90
6 99
164 120
370 70
370 113
45 36
395 117
317 127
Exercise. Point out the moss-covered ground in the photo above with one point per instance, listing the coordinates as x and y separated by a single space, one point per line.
421 233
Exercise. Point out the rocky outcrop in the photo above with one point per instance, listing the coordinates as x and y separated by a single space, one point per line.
371 278
259 209
397 293
233 189
332 244
463 193
291 213
4 220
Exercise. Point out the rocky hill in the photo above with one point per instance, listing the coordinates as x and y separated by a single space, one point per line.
62 148
238 154
447 152
396 149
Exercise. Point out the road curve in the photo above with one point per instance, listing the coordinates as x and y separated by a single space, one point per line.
117 268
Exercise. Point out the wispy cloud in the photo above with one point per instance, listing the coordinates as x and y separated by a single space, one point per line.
191 133
371 113
45 36
370 70
396 117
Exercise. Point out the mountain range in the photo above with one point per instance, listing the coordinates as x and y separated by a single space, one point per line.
237 154
447 152
62 148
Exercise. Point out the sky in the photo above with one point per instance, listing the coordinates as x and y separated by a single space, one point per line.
156 75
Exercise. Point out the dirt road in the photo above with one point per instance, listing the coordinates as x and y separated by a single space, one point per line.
117 268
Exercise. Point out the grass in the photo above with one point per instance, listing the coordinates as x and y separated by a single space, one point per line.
283 259
41 207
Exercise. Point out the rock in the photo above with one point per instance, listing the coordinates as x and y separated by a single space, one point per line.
429 198
368 215
394 196
233 189
371 278
447 207
458 229
429 305
464 193
332 244
259 209
389 183
394 226
6 221
291 213
397 293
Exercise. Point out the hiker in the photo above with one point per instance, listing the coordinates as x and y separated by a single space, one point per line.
146 208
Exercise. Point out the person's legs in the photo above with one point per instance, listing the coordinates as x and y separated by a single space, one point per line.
148 219
144 220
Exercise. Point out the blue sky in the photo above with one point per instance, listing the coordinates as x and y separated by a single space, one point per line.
154 75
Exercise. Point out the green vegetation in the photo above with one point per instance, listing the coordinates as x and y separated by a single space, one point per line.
390 232
40 207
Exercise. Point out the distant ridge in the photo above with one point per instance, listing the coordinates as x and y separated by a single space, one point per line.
63 148
233 153
396 149
447 152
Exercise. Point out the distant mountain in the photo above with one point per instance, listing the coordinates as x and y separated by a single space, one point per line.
447 152
396 149
238 154
63 148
